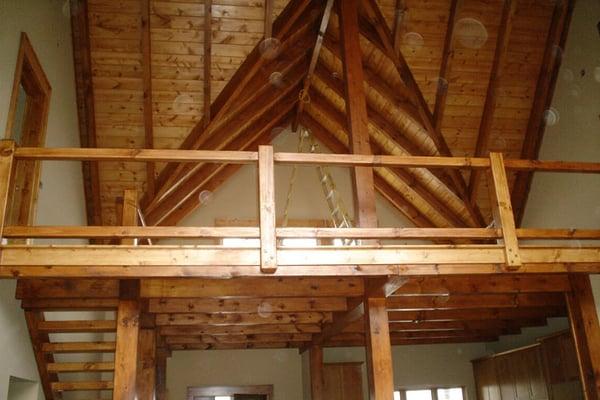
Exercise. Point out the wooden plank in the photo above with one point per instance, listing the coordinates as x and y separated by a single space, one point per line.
247 305
316 373
505 283
81 385
502 211
264 316
126 350
78 347
158 232
81 367
283 287
356 112
77 326
146 368
251 157
586 333
207 55
7 148
550 67
230 339
378 349
159 261
266 204
146 49
69 304
464 301
496 74
195 330
476 314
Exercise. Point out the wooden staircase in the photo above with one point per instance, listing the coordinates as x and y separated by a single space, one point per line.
70 366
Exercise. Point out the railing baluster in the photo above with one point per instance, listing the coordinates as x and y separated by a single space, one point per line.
502 211
266 204
7 151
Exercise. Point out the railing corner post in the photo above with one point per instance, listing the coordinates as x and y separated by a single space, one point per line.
502 211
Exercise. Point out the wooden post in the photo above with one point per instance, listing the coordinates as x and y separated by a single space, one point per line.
316 372
378 349
128 317
7 150
586 333
502 210
266 203
356 112
146 373
161 374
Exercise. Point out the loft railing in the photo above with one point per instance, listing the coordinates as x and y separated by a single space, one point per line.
506 255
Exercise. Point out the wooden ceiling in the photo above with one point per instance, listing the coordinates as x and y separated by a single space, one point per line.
295 312
459 77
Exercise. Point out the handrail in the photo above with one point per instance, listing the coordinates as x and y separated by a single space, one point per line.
506 252
188 232
249 157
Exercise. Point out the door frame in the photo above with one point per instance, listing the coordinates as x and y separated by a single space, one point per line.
209 391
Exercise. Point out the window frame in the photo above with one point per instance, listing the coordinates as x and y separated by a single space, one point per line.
194 392
31 77
432 388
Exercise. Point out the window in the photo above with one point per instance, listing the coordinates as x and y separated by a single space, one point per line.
260 392
26 125
433 393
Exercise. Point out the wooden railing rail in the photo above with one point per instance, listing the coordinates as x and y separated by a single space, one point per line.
270 256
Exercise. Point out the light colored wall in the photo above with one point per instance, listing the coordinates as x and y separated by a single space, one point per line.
61 198
569 200
280 368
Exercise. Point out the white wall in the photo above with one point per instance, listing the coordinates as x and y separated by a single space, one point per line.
61 198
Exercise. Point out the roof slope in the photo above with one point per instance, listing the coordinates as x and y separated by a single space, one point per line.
442 77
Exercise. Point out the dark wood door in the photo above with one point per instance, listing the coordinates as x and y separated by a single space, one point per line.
343 381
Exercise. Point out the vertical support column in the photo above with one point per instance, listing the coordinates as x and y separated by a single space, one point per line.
146 373
128 323
316 372
128 317
161 374
379 349
502 211
586 333
266 204
7 152
356 112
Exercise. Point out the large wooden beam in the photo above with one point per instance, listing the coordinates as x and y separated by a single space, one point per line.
487 118
207 60
356 112
146 48
586 332
161 374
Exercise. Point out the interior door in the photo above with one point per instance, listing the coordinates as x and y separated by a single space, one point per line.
343 381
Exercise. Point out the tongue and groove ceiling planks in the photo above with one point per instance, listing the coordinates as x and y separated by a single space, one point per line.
483 76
